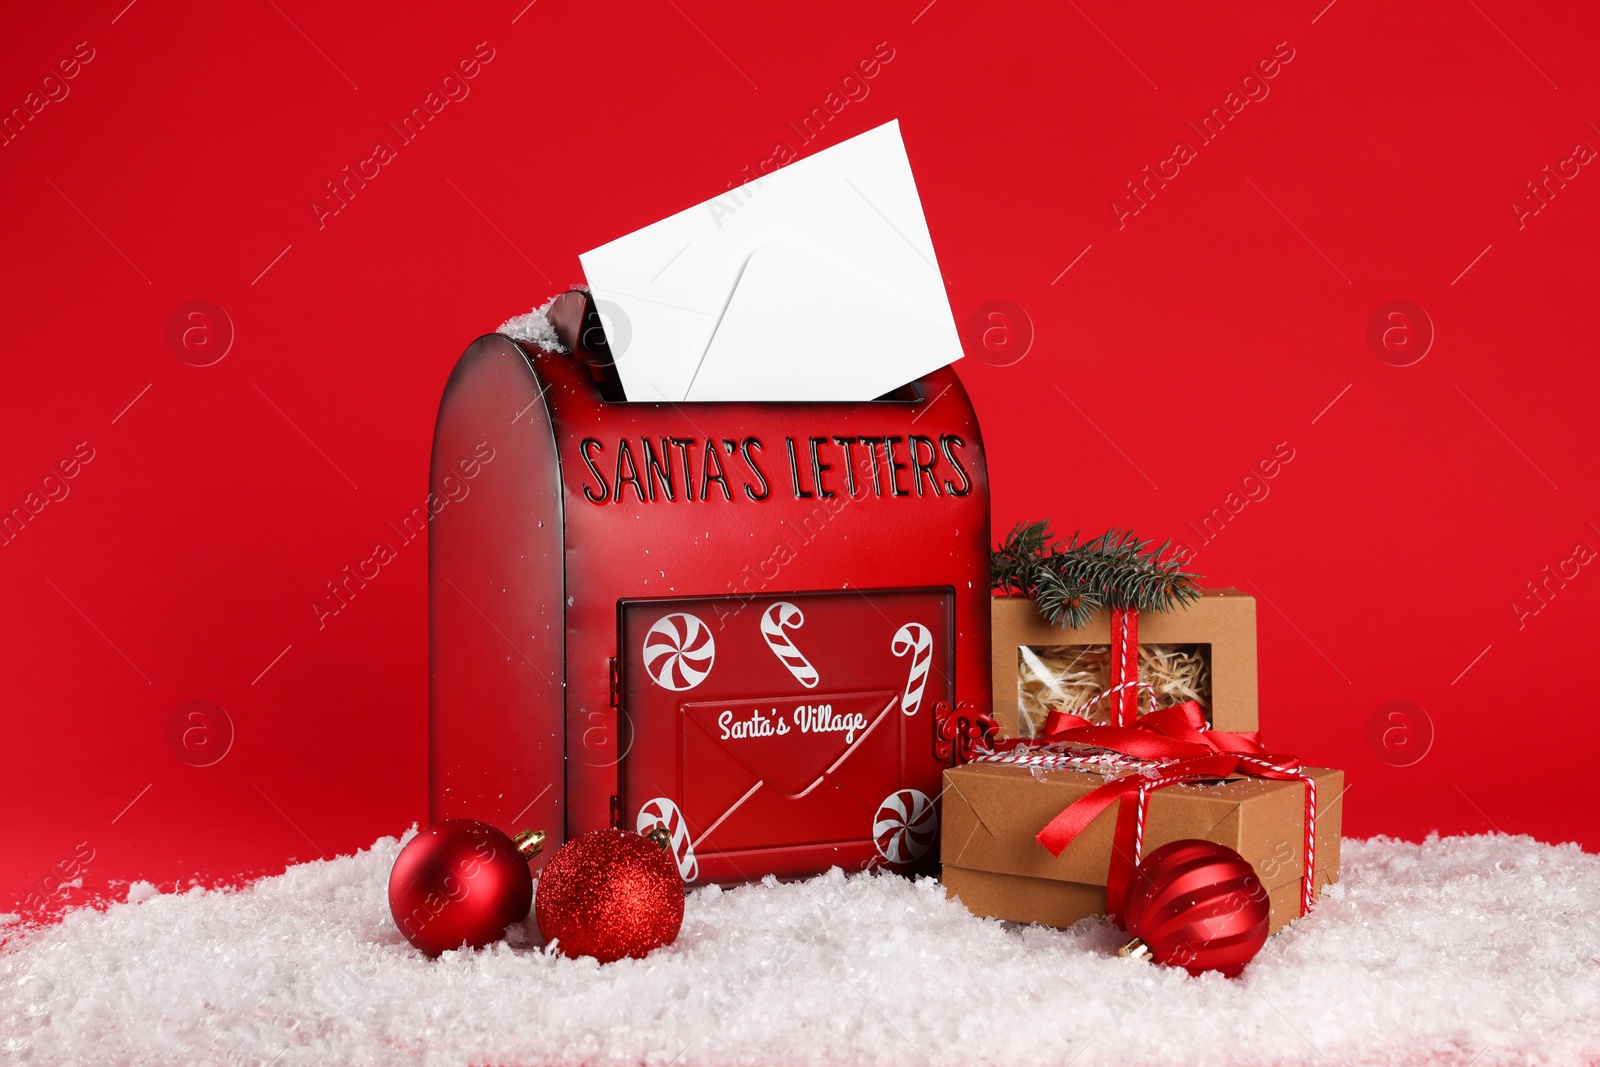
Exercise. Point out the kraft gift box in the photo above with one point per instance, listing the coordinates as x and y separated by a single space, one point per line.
993 811
1216 633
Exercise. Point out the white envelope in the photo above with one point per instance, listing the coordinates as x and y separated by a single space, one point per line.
816 282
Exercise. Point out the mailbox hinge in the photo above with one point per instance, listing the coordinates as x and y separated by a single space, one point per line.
615 682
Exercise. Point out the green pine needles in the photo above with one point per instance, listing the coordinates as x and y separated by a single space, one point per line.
1072 580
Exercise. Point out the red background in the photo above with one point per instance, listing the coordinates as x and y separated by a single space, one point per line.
1223 318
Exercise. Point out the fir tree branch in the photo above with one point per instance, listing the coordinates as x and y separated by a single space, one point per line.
1073 580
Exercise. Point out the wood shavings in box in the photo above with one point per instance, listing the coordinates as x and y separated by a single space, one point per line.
1068 678
1206 651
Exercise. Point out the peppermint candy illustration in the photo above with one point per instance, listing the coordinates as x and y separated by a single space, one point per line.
664 812
774 621
915 638
679 651
904 828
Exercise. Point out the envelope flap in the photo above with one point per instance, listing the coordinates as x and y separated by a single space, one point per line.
1002 808
798 328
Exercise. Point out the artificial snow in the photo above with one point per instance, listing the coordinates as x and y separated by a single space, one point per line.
1467 950
534 328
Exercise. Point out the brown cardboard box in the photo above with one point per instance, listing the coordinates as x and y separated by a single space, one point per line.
1221 621
993 864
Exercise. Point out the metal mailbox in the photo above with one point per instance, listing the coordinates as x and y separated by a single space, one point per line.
743 621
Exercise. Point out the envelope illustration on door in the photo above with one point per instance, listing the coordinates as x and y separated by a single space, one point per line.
824 783
816 282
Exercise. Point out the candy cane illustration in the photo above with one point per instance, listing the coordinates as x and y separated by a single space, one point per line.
905 825
679 651
662 811
914 637
774 621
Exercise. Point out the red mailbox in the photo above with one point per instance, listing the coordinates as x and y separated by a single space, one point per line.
740 620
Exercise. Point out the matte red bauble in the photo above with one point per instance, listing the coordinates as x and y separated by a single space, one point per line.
1196 905
610 894
461 883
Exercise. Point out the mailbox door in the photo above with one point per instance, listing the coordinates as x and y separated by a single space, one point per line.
785 734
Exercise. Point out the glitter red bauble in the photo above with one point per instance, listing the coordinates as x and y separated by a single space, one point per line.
1197 905
609 894
461 883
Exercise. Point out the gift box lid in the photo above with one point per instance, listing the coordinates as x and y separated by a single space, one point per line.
992 812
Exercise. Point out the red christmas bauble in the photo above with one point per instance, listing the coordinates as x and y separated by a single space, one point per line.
609 894
1196 905
461 883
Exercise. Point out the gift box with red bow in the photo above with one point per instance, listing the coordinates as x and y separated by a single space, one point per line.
993 862
1047 822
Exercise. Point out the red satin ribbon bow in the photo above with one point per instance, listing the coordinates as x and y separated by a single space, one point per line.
1177 738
